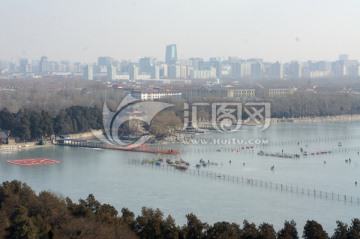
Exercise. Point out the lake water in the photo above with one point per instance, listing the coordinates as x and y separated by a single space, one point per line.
113 179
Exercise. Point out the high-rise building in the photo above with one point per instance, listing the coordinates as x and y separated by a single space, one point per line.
216 63
294 70
88 73
155 72
25 67
145 64
171 54
111 73
257 69
105 61
195 62
343 57
133 72
173 71
276 70
236 70
164 71
44 64
245 69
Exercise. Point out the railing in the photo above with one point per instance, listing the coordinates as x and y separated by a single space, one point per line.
253 182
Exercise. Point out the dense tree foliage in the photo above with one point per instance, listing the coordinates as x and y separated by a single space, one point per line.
33 124
313 230
289 231
23 214
341 231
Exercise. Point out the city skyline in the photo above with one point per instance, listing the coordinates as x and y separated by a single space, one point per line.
338 57
147 68
273 30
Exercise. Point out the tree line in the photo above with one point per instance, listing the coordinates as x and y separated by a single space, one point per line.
24 214
33 124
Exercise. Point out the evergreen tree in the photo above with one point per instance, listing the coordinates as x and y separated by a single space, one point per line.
249 231
267 231
224 230
354 230
289 231
313 230
21 226
194 228
341 231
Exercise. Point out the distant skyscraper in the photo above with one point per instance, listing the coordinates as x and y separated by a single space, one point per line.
171 54
174 71
133 72
163 71
295 70
215 63
88 73
245 69
257 69
236 70
111 73
105 61
343 57
44 64
25 67
145 64
276 70
155 72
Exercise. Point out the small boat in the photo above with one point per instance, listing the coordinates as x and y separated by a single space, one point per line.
181 167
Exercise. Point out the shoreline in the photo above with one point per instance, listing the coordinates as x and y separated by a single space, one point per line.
341 118
182 137
22 146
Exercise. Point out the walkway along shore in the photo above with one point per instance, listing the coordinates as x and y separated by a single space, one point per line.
22 146
317 119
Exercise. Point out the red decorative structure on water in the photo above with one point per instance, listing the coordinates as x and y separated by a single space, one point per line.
33 162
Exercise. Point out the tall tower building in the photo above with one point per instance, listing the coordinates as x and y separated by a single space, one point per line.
88 73
145 64
155 72
295 70
236 70
134 72
105 61
25 67
111 73
44 64
343 57
276 70
171 54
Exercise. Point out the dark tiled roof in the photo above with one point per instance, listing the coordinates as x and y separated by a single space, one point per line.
4 134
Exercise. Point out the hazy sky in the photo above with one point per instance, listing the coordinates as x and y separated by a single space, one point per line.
81 30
